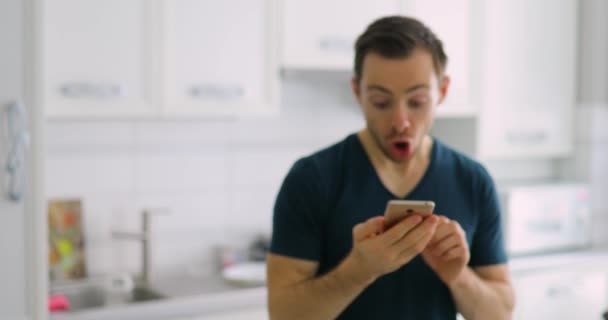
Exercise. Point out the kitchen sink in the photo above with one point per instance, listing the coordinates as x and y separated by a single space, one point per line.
96 293
101 293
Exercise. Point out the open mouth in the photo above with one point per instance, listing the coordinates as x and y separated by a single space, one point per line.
401 146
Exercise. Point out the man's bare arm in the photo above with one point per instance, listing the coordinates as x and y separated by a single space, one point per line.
484 293
296 292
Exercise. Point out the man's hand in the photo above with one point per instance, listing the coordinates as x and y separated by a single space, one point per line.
448 252
376 253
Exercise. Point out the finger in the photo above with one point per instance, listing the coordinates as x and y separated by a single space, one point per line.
399 230
454 253
419 237
443 246
415 247
442 219
368 228
444 230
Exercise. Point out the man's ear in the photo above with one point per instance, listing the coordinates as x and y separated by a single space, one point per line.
444 85
354 84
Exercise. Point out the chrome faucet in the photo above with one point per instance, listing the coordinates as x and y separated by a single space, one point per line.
144 238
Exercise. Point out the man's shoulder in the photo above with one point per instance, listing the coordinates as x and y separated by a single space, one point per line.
326 159
321 171
464 165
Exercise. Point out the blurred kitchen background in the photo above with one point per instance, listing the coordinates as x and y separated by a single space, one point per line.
192 111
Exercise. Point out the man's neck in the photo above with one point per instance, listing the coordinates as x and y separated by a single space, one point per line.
383 163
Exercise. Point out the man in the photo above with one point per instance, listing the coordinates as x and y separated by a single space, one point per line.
330 255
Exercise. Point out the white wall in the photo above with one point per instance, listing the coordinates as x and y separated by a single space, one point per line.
590 159
596 140
219 178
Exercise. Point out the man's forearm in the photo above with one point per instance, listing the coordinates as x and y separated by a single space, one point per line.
477 298
324 297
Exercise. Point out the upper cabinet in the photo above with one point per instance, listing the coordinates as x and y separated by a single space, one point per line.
220 57
451 22
138 58
320 34
97 57
316 37
529 74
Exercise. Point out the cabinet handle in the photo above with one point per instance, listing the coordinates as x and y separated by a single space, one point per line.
80 90
529 137
19 140
336 44
217 92
556 292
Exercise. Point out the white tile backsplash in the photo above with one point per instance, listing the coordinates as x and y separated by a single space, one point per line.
262 166
599 178
173 171
252 209
219 178
182 135
591 122
74 173
199 210
577 167
599 227
89 136
599 125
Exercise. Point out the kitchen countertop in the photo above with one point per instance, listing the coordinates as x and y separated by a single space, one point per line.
592 259
204 296
216 296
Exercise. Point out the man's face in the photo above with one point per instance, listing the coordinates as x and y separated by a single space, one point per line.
399 97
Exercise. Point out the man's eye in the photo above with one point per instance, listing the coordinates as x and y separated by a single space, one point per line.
381 105
417 103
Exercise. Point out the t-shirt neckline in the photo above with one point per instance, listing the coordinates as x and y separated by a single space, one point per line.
372 170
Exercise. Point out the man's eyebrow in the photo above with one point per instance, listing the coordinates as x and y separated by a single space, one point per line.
416 87
379 88
408 90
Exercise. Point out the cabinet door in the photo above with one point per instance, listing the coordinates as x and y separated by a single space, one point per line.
451 21
529 74
533 132
561 295
23 242
219 57
320 34
97 58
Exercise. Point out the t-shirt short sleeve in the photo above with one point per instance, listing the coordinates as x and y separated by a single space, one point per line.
296 228
488 247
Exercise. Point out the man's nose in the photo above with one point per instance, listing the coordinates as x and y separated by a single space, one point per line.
400 119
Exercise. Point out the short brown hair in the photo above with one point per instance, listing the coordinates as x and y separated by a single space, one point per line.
397 37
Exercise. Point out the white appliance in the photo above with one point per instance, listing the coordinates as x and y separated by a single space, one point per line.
546 218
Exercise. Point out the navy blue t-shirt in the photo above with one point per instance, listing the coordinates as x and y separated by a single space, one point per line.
327 193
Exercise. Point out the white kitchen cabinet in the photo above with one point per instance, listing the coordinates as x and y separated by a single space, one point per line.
529 74
320 35
116 59
219 57
557 295
451 22
23 232
316 37
97 58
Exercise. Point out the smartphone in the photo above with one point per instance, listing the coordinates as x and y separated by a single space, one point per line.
397 210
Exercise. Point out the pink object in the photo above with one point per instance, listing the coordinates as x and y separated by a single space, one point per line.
58 302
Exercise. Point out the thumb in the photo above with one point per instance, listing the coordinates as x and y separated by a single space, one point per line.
368 228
